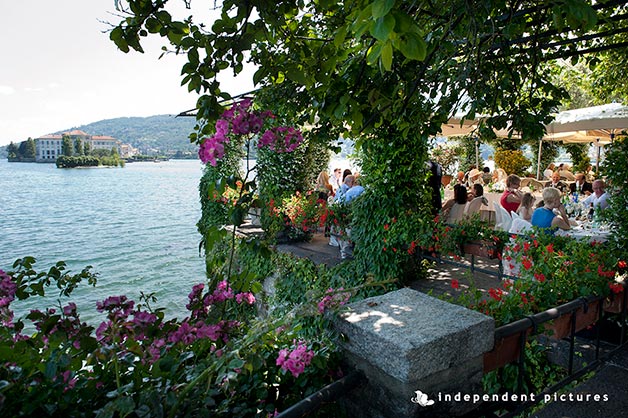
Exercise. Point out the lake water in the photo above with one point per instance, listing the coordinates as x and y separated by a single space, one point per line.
135 225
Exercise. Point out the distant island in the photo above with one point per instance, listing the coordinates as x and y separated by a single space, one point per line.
162 136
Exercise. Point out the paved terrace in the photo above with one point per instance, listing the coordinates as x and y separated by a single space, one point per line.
609 380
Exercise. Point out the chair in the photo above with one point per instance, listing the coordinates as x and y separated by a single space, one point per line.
474 206
536 184
519 226
456 213
515 215
502 217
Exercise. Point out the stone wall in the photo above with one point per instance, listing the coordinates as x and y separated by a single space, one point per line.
405 342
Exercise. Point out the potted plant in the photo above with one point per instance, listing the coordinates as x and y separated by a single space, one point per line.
296 217
446 155
470 235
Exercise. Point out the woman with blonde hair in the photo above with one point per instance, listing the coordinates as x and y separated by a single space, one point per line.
323 186
544 217
526 207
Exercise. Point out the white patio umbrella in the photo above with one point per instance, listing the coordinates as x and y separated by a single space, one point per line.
596 125
457 126
605 118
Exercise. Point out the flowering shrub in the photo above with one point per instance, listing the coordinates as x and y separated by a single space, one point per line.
297 216
512 161
219 358
552 271
296 360
449 240
336 217
447 155
241 124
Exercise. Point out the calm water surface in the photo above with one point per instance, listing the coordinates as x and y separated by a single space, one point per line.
135 225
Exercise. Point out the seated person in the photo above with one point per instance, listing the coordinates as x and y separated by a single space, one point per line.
581 185
544 217
549 171
557 183
460 177
453 209
487 177
499 175
478 199
526 207
511 198
565 172
599 198
474 176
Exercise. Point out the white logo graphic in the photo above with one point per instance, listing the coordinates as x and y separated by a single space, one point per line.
421 399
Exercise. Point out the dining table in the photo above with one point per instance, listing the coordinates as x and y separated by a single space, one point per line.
487 212
585 229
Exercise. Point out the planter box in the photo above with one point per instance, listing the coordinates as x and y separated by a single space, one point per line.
614 303
483 249
561 326
506 350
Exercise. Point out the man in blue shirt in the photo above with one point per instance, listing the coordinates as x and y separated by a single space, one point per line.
355 190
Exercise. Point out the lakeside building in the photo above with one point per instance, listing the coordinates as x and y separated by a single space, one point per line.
49 147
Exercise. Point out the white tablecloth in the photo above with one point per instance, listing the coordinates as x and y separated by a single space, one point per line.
583 232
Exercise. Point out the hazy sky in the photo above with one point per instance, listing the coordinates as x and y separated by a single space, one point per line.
58 69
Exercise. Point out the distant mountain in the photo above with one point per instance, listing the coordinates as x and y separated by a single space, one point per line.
165 133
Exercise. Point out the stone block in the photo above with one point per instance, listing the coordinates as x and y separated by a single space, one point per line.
406 341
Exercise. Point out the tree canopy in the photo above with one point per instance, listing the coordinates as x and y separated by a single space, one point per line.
363 64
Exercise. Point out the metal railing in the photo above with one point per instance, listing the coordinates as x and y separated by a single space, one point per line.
522 326
328 394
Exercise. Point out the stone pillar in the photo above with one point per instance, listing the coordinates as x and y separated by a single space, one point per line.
406 341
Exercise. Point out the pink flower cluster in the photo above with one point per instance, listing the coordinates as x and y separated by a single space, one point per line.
296 360
7 294
241 120
199 304
188 333
281 139
333 299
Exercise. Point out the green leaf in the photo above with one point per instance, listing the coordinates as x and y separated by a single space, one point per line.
383 27
296 75
340 36
382 7
413 47
374 53
117 37
387 56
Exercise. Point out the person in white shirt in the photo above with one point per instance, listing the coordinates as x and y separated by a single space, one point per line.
549 171
599 198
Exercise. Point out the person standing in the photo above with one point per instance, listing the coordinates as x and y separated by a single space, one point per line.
323 186
355 190
336 180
